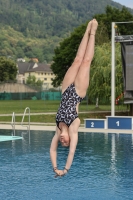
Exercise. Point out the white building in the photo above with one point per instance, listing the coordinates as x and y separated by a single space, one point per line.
41 71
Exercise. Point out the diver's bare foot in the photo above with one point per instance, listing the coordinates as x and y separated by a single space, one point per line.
94 26
89 26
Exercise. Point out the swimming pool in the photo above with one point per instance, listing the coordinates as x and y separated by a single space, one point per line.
102 168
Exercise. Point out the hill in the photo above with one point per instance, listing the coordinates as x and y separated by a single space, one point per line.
43 23
45 18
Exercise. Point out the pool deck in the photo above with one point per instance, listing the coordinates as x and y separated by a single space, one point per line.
52 128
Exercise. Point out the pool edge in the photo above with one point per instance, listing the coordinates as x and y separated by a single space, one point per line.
52 128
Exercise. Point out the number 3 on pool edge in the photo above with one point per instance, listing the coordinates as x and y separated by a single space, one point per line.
92 124
118 123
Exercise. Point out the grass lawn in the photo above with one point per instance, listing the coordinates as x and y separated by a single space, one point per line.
40 106
51 118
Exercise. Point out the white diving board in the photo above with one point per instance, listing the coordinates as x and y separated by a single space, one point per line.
8 138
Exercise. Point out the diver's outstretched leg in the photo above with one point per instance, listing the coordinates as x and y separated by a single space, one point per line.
82 78
73 70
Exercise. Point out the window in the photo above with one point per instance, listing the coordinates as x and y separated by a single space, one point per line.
51 79
45 79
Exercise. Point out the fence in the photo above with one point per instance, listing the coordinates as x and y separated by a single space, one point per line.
16 91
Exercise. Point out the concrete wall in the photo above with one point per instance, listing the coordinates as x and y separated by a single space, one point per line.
15 87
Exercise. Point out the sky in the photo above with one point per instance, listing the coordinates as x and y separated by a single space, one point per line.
127 3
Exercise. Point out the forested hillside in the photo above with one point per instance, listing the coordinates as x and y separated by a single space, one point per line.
45 18
31 28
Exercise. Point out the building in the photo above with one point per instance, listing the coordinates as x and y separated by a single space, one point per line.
41 71
20 60
35 60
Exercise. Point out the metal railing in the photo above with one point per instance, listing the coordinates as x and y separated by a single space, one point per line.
22 122
13 122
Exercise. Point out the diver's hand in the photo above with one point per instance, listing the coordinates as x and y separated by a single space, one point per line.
65 171
59 173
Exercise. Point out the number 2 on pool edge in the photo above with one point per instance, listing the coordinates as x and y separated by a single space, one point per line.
92 124
118 123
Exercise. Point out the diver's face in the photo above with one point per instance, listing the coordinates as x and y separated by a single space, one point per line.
64 138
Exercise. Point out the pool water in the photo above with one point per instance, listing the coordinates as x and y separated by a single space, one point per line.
102 168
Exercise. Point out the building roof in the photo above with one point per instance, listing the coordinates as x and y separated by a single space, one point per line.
23 67
33 67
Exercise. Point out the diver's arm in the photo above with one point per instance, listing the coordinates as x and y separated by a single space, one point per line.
53 149
72 149
73 133
53 154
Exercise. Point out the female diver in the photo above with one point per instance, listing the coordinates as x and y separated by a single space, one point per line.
74 87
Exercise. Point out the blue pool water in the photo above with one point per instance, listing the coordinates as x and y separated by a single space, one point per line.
102 168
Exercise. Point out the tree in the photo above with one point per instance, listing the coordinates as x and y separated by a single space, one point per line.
8 69
39 83
100 80
66 51
31 80
115 15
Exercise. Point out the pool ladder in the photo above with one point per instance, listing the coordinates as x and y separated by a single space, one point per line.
13 120
28 126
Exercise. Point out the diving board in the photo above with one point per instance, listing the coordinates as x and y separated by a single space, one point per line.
8 138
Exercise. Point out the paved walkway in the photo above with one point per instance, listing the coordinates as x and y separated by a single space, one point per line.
52 128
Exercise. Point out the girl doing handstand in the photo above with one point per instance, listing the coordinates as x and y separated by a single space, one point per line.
74 87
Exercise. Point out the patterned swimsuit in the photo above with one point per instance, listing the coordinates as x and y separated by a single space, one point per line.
67 111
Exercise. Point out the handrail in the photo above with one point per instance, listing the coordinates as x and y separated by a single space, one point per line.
13 122
28 127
